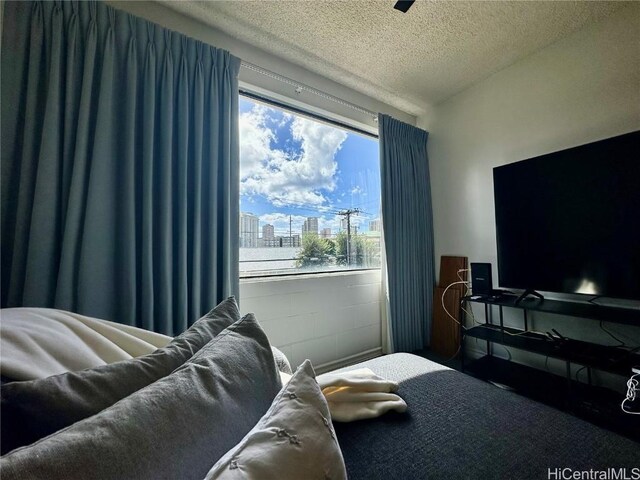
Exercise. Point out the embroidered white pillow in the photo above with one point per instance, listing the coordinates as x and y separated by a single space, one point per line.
293 440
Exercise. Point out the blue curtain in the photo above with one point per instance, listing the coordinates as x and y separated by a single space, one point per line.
119 166
408 232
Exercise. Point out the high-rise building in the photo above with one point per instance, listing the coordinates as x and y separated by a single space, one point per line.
325 233
292 241
267 232
268 237
374 225
249 228
310 226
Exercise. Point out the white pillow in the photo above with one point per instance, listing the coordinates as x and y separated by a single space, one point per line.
293 440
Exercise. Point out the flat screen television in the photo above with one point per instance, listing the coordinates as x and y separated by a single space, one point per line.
569 221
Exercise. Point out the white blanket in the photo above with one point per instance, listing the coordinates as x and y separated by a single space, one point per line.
357 394
38 342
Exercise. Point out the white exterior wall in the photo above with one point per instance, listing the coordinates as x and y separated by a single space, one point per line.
332 319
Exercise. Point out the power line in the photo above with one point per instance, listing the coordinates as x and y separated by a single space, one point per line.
327 209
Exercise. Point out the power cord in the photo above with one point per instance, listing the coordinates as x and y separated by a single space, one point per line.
460 277
470 314
466 283
473 318
506 350
524 333
633 386
622 344
445 308
593 300
467 293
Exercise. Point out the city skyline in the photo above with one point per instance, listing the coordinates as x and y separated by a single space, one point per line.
250 229
294 168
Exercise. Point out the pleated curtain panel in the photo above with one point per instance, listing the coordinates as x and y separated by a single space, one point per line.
408 233
119 166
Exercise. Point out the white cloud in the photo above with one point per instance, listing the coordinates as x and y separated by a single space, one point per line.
286 117
255 140
288 177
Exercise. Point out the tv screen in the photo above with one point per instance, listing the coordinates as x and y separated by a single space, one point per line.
569 221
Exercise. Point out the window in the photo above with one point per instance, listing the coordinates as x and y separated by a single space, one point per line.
309 194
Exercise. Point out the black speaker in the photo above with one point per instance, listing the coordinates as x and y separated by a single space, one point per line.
481 280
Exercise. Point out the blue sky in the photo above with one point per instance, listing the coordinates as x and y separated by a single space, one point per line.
293 165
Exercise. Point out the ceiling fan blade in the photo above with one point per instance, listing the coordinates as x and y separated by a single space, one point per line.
403 5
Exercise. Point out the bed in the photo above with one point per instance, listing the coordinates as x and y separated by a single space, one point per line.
460 427
455 426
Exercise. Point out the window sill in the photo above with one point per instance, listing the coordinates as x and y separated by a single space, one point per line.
305 275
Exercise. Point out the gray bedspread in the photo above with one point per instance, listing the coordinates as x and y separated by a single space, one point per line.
457 426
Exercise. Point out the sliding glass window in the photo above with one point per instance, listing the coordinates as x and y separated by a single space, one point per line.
309 193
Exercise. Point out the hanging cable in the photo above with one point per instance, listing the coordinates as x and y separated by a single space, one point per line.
445 308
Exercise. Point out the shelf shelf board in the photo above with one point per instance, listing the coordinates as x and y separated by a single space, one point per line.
611 359
625 316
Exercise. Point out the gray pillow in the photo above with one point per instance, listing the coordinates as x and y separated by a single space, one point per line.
171 429
282 362
34 409
293 440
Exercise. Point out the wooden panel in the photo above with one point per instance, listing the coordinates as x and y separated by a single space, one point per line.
449 267
445 333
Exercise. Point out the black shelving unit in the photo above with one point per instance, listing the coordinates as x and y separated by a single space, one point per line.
597 404
592 311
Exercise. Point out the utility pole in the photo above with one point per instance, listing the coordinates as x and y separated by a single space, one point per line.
290 235
347 213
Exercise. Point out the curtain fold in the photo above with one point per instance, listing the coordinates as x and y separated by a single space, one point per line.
119 166
408 233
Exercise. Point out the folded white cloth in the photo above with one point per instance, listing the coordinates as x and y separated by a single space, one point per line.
357 394
38 342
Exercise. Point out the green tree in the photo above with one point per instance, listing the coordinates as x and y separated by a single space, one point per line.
315 251
331 247
364 252
341 248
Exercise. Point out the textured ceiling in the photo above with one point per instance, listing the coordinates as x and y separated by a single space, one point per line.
410 60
